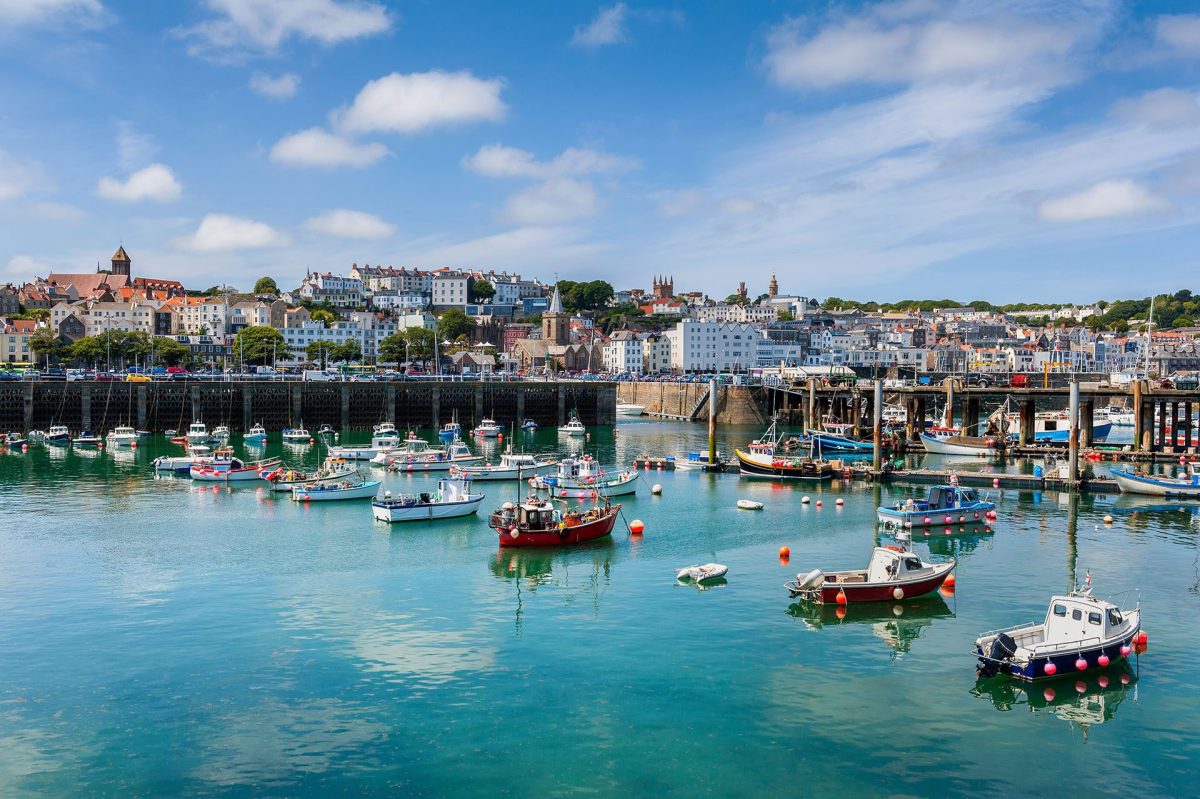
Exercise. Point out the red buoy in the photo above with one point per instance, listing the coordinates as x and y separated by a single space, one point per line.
949 581
1102 660
1141 638
785 552
1080 664
636 527
841 597
1050 668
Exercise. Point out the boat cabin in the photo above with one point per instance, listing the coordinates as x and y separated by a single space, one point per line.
385 430
583 468
888 565
942 497
1078 617
197 429
515 459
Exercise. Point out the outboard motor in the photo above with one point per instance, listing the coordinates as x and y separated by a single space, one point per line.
1003 647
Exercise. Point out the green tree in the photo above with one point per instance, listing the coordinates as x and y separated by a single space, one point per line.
169 351
86 350
259 344
346 352
1183 320
737 299
421 343
324 316
482 291
45 344
266 285
391 349
320 351
786 316
455 324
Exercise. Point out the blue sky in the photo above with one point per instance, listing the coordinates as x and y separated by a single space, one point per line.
1020 151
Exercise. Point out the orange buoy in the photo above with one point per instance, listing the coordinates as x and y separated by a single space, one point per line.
841 612
1141 638
785 552
636 527
841 597
950 580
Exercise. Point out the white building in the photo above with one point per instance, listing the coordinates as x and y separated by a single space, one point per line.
196 315
387 278
713 346
656 354
330 289
450 289
623 352
401 301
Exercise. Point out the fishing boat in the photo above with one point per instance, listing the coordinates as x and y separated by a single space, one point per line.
1117 415
582 477
256 436
58 434
488 429
223 467
945 504
573 428
830 442
535 522
450 431
380 443
87 439
122 437
452 499
894 573
696 461
1079 633
179 464
284 480
15 441
345 489
630 409
297 435
327 431
457 454
1187 487
197 434
512 466
764 457
529 424
981 446
411 447
220 434
385 430
698 575
1055 427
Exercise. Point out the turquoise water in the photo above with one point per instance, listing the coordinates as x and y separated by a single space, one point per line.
162 639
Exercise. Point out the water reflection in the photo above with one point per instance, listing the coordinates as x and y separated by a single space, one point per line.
585 569
897 624
1081 702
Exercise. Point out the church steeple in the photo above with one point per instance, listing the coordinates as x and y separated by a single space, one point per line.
555 301
120 262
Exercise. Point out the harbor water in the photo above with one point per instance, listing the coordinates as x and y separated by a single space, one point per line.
163 638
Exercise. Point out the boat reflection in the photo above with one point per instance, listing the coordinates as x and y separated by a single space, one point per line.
1082 702
897 624
552 569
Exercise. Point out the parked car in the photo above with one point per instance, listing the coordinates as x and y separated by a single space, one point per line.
137 377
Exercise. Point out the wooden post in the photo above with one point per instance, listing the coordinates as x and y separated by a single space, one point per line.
1087 412
1162 425
1073 444
877 427
921 415
970 415
712 422
1028 415
810 420
949 415
1187 421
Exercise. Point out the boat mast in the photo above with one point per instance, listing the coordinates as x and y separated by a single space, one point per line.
1149 340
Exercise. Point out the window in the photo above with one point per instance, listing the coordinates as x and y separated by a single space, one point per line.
1060 610
1077 614
1093 618
1114 617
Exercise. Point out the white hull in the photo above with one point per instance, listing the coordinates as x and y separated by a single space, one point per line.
358 453
506 473
400 465
122 441
616 488
1156 487
318 494
630 409
427 512
572 431
239 476
936 446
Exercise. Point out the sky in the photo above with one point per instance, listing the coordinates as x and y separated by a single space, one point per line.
1018 151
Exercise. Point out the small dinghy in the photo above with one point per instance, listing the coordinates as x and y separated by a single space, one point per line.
327 492
749 504
1185 487
698 575
1078 634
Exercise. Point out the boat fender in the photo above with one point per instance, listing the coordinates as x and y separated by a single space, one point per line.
811 580
894 548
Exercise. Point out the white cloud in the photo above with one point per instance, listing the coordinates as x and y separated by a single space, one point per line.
264 25
224 233
742 206
155 182
679 203
499 161
134 148
320 148
608 27
1105 200
556 200
48 12
351 225
16 179
399 103
58 212
1179 33
1167 108
25 266
277 87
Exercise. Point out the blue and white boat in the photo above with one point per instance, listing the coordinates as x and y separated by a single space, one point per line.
946 504
1055 427
58 434
1187 487
1080 633
450 431
830 442
257 435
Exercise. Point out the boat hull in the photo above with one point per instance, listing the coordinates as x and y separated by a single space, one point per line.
624 484
428 512
962 514
886 592
752 466
1034 670
938 446
367 490
578 534
402 465
826 442
1131 483
495 473
1099 434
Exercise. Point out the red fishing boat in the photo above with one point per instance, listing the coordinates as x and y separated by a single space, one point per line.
536 522
894 573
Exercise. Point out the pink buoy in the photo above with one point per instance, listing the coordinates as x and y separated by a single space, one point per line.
1050 668
962 519
1048 694
1103 681
818 503
1124 679
1102 660
928 520
976 516
949 520
1080 664
995 482
1081 687
1126 649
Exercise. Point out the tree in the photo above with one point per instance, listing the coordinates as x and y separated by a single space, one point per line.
455 324
324 317
590 296
737 299
86 350
266 285
482 290
320 351
348 350
46 345
259 344
786 316
392 349
421 343
170 351
1183 320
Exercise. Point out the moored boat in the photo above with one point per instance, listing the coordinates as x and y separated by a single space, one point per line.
284 480
122 437
197 434
58 434
380 443
512 466
581 478
452 499
894 573
488 429
1187 487
297 435
346 489
180 464
223 467
1079 633
256 436
831 442
698 575
574 427
433 460
450 431
537 523
982 446
945 504
630 409
87 439
529 424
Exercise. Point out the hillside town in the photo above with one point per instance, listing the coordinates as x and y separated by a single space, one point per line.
456 321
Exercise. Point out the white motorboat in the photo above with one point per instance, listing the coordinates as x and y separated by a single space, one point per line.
452 499
512 466
297 435
87 439
122 437
385 430
488 429
284 480
197 434
1117 415
1185 487
630 409
180 464
257 435
433 460
582 478
346 489
380 443
220 434
573 427
411 448
58 434
960 445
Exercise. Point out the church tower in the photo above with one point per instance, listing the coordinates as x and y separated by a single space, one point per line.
121 262
553 329
741 290
773 287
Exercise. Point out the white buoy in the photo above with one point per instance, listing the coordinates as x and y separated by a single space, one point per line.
804 500
1108 519
656 489
840 501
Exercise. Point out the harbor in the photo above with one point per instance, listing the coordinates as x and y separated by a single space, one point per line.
347 629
